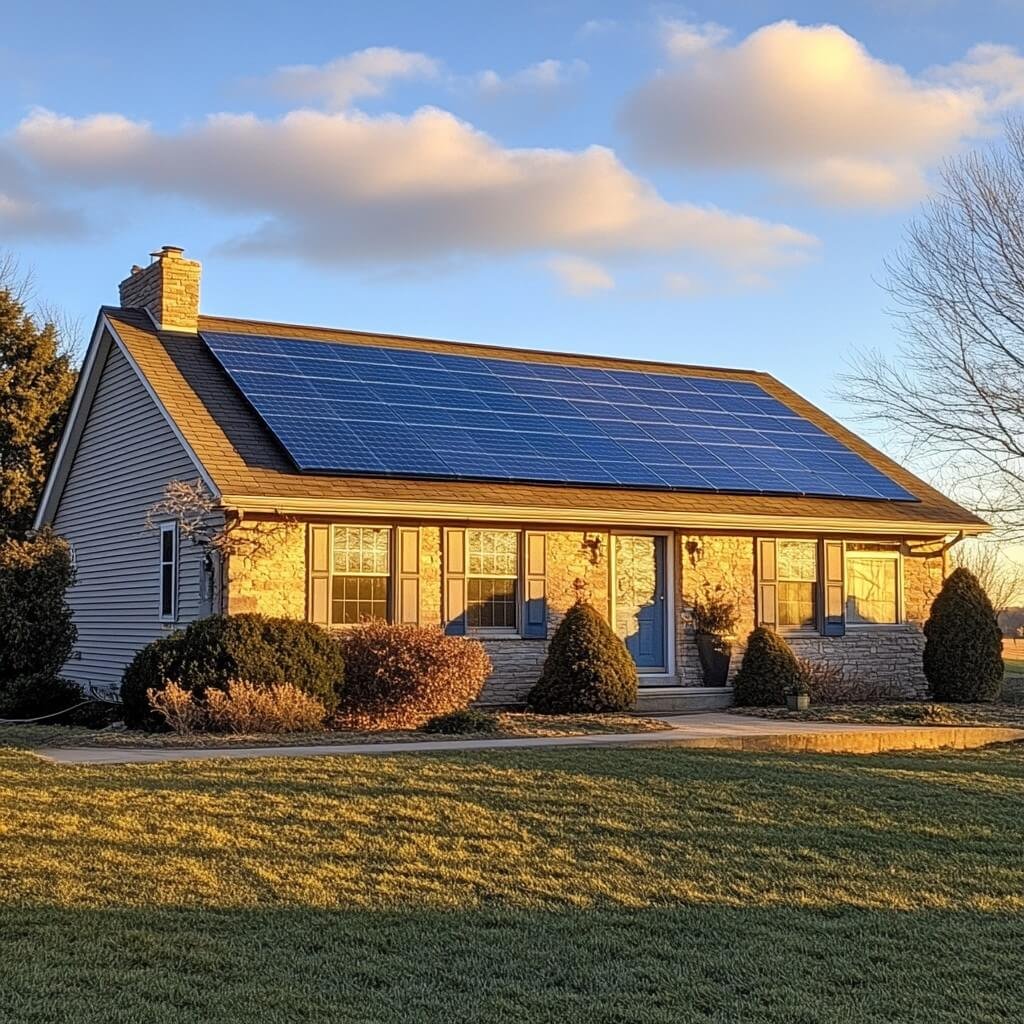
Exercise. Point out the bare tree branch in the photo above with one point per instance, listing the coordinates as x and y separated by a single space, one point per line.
953 398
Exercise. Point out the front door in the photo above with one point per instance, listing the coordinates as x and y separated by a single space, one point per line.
639 598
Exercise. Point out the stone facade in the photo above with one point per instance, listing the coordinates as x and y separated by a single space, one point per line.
274 582
168 289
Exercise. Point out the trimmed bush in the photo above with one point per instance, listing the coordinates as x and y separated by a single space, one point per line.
211 652
464 723
241 708
769 668
36 627
398 677
31 696
587 668
963 651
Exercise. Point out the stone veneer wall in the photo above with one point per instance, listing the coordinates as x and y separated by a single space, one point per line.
274 582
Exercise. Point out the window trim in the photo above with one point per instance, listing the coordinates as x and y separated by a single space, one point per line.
173 565
816 628
895 553
497 632
389 576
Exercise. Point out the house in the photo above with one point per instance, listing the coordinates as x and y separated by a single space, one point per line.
479 488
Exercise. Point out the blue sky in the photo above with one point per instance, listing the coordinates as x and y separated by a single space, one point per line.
755 163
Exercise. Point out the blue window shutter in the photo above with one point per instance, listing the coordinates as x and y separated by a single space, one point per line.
454 581
835 619
535 604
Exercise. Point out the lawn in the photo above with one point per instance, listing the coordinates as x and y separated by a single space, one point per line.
558 885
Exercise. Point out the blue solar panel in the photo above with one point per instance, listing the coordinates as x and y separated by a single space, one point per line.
369 409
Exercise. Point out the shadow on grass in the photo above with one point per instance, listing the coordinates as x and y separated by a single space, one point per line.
679 965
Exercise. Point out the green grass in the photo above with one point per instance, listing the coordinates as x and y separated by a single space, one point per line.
559 885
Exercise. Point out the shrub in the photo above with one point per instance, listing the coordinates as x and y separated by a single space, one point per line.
464 723
829 684
587 668
32 696
210 652
241 708
36 625
769 669
398 677
963 651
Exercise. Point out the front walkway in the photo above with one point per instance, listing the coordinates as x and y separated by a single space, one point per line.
718 731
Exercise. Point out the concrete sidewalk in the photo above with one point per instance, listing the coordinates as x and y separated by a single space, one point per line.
715 731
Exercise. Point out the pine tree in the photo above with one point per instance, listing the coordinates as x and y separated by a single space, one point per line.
36 382
963 651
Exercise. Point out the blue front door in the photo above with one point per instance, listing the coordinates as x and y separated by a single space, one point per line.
640 604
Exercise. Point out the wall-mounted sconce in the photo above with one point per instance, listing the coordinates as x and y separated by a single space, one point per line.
593 547
695 549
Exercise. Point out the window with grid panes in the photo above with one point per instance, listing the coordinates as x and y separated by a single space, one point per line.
797 567
360 572
492 579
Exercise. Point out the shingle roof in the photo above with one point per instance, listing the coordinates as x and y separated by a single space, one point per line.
246 462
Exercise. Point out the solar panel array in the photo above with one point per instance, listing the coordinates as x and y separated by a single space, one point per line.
373 410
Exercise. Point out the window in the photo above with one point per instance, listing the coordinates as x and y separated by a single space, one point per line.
492 579
168 571
360 570
872 583
797 568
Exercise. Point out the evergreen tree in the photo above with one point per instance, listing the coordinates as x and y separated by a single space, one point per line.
769 668
963 651
588 668
36 382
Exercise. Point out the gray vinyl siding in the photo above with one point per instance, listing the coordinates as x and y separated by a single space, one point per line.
126 455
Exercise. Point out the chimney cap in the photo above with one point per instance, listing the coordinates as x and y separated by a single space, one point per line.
167 250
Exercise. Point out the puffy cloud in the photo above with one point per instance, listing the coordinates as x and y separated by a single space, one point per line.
997 70
808 104
393 190
546 75
579 276
363 73
683 39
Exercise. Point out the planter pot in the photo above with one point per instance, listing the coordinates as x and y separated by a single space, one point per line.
715 653
798 701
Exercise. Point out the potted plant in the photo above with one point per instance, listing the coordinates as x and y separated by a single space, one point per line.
798 696
714 623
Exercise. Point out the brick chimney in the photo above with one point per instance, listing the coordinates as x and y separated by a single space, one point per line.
168 289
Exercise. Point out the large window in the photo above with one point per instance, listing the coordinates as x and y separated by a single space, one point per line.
360 570
797 566
168 571
492 579
872 583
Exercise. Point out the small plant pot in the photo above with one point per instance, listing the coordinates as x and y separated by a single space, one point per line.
715 654
798 701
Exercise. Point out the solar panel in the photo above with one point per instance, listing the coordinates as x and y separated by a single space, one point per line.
370 409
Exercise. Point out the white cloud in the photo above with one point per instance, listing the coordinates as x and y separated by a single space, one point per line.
809 105
681 284
544 76
363 73
25 212
597 27
579 276
997 70
348 188
683 39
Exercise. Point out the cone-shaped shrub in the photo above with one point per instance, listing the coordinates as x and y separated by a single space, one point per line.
769 668
963 651
587 668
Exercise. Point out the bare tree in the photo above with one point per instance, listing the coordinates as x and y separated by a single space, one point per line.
201 521
954 396
1000 576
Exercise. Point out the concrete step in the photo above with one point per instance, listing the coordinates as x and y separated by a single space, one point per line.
657 700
